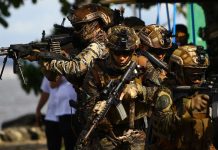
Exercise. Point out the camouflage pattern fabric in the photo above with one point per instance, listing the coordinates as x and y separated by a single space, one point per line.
94 82
175 124
155 36
90 12
152 76
114 36
186 56
173 127
80 64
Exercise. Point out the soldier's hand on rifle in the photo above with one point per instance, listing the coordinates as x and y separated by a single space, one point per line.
163 75
33 57
198 102
131 91
99 106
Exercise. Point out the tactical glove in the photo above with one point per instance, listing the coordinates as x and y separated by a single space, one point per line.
131 91
32 56
198 102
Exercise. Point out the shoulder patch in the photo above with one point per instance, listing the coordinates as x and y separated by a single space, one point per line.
163 101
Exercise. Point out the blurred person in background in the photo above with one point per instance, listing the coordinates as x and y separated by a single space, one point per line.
68 123
49 94
59 123
181 35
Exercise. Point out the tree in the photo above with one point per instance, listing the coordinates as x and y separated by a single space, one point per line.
32 73
5 6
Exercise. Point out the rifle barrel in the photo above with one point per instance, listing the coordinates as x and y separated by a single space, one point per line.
3 53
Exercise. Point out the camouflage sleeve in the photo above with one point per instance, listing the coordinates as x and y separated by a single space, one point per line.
80 64
164 119
154 76
148 93
90 93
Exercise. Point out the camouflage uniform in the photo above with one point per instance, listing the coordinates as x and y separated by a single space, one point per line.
121 134
87 25
181 120
96 80
79 65
89 21
156 40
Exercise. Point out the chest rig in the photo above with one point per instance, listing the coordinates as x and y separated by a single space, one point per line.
135 109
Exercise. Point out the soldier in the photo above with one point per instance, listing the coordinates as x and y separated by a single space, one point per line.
122 41
183 122
156 40
90 22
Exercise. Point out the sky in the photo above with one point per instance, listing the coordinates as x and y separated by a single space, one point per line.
27 22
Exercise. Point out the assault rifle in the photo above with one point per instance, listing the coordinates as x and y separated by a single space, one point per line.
111 94
209 87
49 48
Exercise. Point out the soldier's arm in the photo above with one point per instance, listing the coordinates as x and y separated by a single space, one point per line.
164 119
80 64
148 93
90 93
153 75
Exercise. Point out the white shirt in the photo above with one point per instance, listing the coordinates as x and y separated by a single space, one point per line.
65 93
52 100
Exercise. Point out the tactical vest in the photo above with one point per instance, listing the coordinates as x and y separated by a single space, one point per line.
102 76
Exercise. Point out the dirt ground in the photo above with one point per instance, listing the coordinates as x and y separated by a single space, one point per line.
28 145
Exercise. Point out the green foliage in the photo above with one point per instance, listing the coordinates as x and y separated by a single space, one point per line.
4 9
7 4
65 6
33 77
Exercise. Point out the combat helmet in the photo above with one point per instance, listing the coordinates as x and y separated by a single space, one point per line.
90 12
155 36
122 39
189 62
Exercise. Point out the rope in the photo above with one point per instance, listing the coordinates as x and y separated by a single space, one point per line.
174 22
158 14
168 17
193 23
140 8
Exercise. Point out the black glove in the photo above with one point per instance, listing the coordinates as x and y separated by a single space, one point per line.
198 102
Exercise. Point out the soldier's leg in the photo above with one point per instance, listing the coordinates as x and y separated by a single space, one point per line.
53 135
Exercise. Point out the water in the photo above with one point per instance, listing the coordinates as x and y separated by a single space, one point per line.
14 102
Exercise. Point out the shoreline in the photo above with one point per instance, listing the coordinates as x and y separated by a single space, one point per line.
26 145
